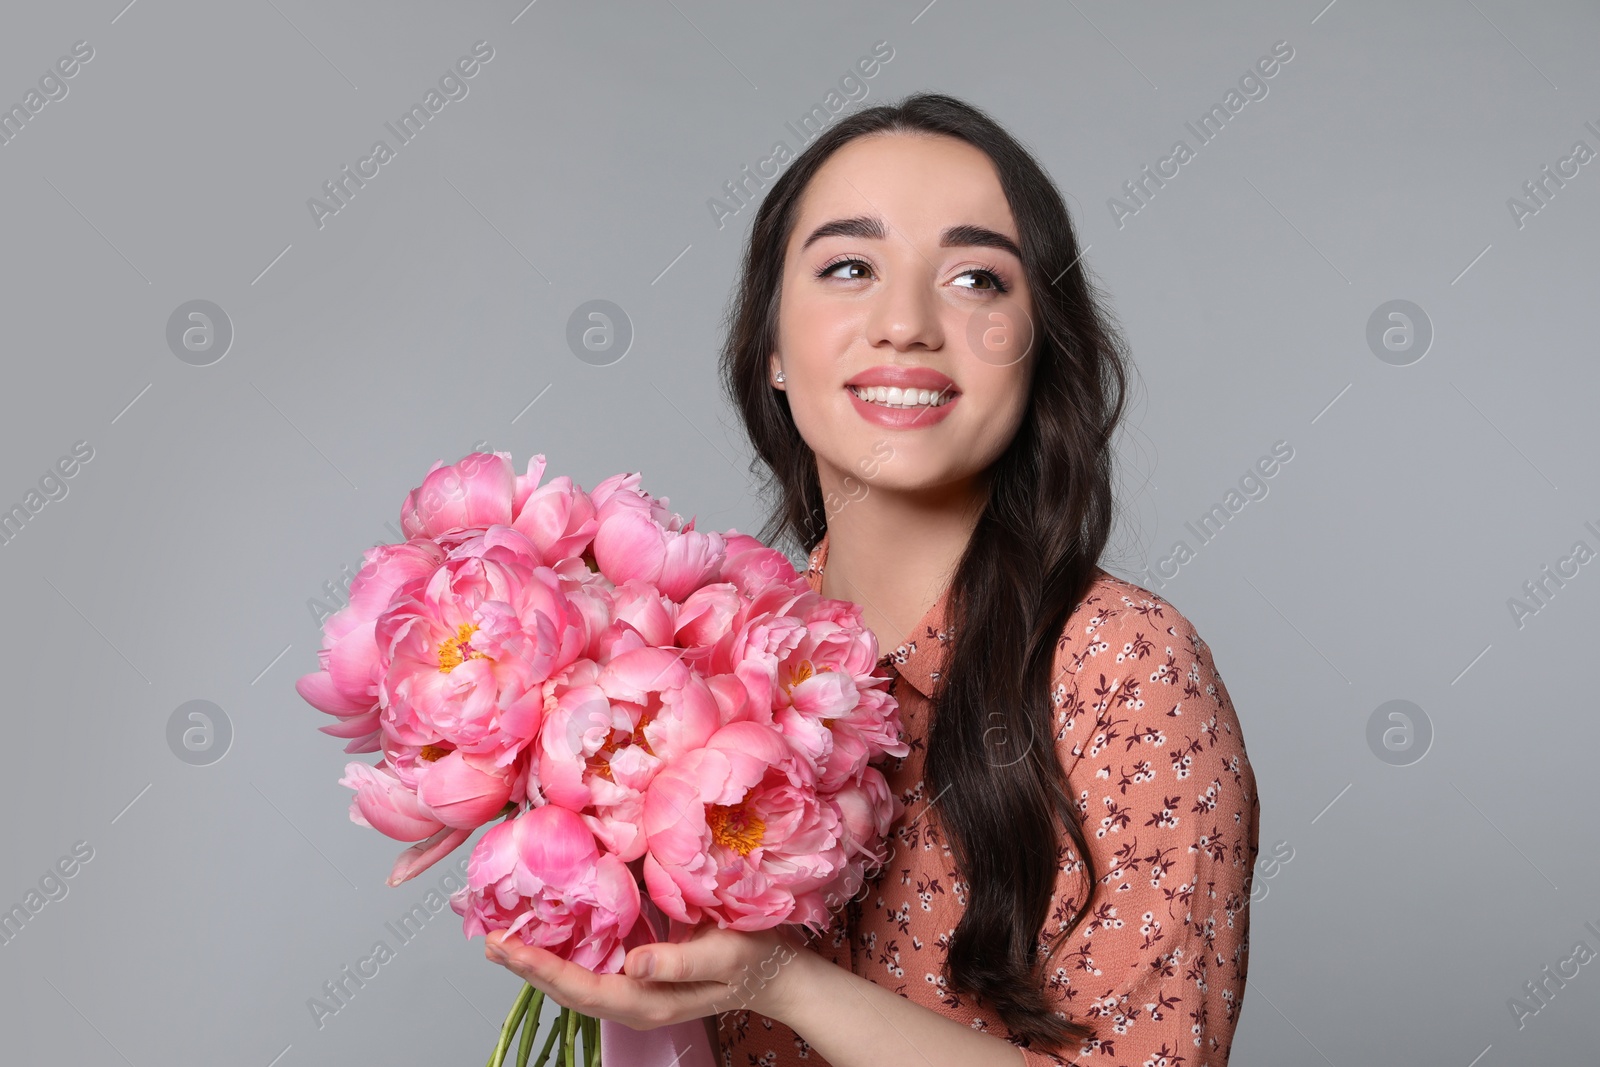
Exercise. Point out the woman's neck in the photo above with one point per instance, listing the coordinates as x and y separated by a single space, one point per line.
894 557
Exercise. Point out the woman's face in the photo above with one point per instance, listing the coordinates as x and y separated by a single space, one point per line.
903 270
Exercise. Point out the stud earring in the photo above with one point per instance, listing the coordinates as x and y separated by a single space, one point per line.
780 377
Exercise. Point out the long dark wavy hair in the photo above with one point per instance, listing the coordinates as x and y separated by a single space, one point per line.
990 757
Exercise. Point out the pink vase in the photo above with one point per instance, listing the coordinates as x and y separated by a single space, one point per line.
684 1044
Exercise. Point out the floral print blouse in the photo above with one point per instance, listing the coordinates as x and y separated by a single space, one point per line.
1155 759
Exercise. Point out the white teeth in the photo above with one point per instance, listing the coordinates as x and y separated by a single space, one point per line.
894 396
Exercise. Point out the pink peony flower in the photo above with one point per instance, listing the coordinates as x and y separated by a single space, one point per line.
346 686
462 790
559 518
464 653
440 797
706 616
622 492
483 490
829 699
576 740
610 730
631 545
385 804
642 606
866 811
738 834
754 654
541 876
752 567
475 492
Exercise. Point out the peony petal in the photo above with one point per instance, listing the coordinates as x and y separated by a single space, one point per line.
424 854
629 545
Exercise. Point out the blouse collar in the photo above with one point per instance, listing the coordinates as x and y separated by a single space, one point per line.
922 657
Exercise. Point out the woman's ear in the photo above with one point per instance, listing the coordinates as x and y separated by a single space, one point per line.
775 371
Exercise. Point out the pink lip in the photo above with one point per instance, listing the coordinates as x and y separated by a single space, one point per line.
905 378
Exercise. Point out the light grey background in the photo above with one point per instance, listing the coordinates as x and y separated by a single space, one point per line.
428 313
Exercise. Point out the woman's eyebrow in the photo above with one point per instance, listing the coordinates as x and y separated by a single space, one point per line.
870 226
968 236
860 226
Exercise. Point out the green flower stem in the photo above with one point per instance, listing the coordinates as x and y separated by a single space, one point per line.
530 1028
555 1031
519 1008
569 1044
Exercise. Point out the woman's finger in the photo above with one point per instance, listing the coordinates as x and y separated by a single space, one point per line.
612 996
722 967
541 968
707 955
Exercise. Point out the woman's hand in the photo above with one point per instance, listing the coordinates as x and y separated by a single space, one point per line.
713 970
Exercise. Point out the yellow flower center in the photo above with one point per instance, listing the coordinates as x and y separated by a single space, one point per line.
454 651
734 827
432 753
638 737
601 766
600 762
803 671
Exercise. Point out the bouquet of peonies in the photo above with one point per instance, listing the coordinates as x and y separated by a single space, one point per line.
666 722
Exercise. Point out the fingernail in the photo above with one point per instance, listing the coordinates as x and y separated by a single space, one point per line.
646 964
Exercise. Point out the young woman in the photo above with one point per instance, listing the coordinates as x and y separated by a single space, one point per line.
924 367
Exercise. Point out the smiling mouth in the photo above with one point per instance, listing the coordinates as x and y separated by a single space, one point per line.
903 399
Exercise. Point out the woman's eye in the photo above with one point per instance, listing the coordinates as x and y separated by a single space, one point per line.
989 277
833 271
